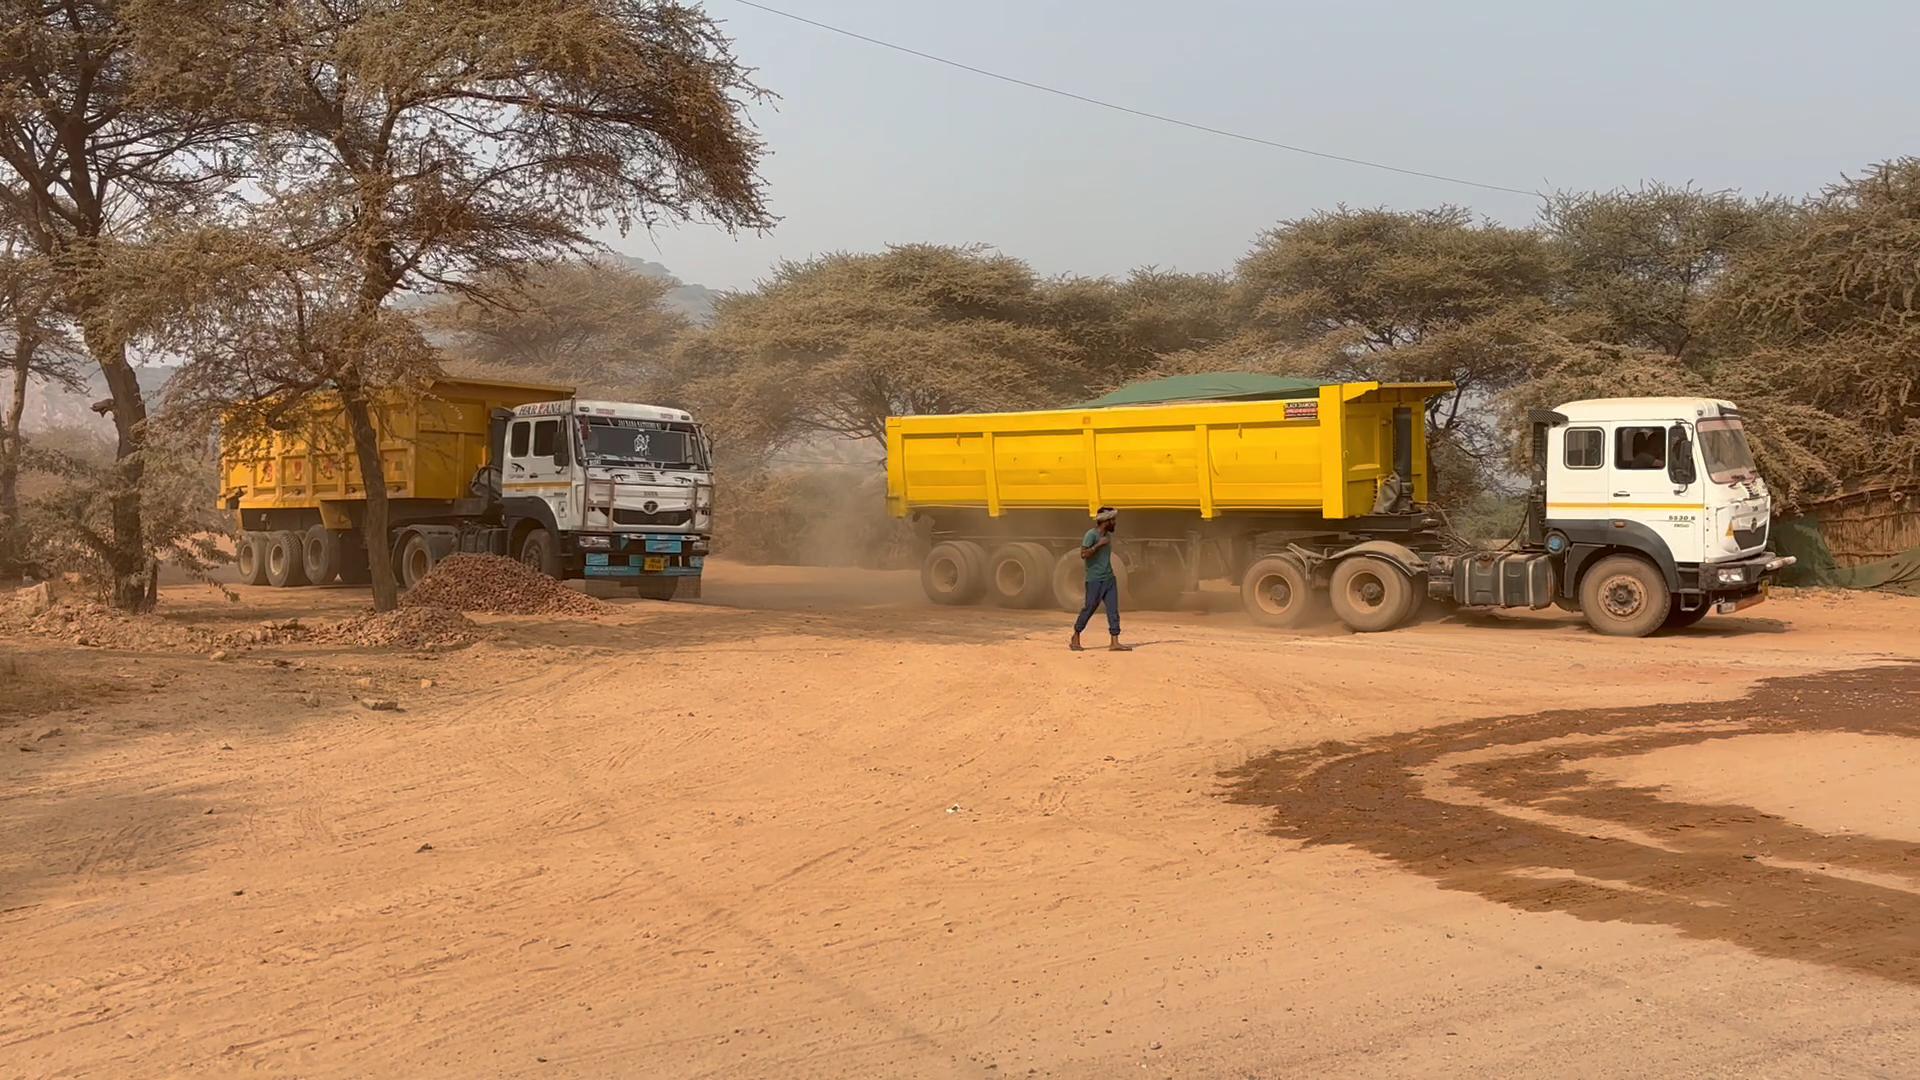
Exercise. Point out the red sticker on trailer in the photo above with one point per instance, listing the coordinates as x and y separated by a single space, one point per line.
1303 410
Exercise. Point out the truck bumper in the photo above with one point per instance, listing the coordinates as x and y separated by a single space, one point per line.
638 556
1737 583
1735 575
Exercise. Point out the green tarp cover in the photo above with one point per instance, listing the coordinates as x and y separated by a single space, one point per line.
1215 386
1801 538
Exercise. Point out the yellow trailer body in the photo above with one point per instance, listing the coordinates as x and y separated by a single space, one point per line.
431 447
1325 455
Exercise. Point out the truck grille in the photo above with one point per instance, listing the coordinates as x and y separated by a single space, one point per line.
1749 538
622 516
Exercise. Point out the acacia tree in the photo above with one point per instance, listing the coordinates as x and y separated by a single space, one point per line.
1824 322
835 345
1428 295
448 144
1119 330
33 346
99 141
1637 268
593 322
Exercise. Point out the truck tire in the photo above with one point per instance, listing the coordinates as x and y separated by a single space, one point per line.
1371 595
664 588
1277 592
954 573
250 554
539 550
1679 618
412 560
320 550
286 567
1020 575
1624 596
1070 580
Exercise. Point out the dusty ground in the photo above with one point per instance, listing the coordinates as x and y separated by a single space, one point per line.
812 827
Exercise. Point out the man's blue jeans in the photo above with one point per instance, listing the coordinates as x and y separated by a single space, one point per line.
1101 593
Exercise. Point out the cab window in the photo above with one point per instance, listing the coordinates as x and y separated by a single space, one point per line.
544 432
1640 448
518 447
1586 448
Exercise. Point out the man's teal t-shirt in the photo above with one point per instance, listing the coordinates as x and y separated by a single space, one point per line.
1100 567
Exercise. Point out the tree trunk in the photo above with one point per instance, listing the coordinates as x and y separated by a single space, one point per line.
373 476
127 557
12 446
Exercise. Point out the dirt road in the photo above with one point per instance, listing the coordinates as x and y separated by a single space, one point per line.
812 827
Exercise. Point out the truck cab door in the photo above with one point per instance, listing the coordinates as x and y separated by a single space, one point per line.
1646 485
1579 485
539 464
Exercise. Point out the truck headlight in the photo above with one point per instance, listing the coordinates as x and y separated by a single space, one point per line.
597 542
1731 575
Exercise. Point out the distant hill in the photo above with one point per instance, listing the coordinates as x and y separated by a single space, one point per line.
694 301
50 408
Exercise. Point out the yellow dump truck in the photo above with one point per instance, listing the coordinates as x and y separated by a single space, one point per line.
574 488
1644 513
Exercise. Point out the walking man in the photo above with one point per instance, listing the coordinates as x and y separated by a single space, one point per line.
1102 590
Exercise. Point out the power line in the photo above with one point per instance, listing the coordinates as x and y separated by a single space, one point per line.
1162 118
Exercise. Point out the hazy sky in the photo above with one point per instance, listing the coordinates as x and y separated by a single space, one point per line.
871 147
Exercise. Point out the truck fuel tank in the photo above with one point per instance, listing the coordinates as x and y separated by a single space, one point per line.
1495 579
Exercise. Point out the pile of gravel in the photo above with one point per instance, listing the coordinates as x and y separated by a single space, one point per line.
497 586
419 626
98 626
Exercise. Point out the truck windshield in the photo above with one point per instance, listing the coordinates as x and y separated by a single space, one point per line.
1723 442
612 440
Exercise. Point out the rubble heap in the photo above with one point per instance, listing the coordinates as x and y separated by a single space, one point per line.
497 586
416 626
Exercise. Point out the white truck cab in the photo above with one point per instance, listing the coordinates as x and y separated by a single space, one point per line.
1668 482
610 490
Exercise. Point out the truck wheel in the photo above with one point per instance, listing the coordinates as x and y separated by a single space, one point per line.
285 566
1020 575
953 574
250 552
657 588
1679 618
1370 595
1070 580
539 551
413 560
1624 596
320 550
1276 592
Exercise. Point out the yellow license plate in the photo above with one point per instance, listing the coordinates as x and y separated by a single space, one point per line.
656 562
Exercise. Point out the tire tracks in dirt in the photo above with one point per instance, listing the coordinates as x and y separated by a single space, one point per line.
1710 879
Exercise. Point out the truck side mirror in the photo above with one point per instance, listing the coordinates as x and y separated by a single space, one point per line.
1680 458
